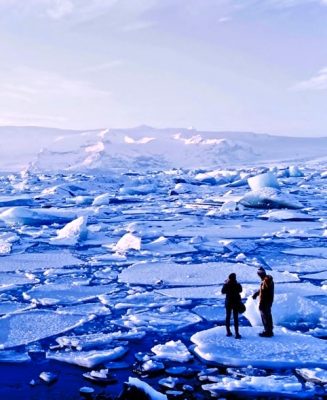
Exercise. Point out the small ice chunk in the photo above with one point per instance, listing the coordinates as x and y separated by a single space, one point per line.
267 179
86 390
128 242
228 207
294 171
102 200
5 248
169 382
173 351
151 366
316 375
72 233
88 359
48 377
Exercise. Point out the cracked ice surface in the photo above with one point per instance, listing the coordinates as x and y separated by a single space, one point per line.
194 274
65 293
37 261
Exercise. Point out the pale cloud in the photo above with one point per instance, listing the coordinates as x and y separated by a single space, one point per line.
103 66
30 119
60 9
27 83
317 82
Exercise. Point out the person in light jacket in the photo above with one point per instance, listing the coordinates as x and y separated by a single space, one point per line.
266 298
232 290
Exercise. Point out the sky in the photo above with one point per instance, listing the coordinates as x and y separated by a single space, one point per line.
235 65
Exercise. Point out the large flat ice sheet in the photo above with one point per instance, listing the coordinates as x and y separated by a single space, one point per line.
286 349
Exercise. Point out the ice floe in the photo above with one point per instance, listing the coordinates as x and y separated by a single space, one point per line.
317 375
287 349
173 274
37 261
98 339
269 198
65 293
250 386
159 322
308 251
88 359
173 351
27 327
287 215
35 217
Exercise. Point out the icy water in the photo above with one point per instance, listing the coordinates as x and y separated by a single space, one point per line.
110 276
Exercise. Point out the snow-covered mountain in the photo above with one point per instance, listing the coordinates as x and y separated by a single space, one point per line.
147 148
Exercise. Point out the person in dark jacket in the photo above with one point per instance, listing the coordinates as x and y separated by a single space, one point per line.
232 290
266 298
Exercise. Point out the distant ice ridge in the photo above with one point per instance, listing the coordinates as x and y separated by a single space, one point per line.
148 148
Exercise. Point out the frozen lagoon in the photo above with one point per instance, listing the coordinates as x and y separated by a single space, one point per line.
120 274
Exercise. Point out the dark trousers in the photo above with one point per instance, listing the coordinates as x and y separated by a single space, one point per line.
235 317
266 317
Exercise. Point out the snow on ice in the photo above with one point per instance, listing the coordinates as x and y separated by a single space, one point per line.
287 349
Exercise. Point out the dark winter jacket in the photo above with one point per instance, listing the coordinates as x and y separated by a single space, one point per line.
232 290
266 293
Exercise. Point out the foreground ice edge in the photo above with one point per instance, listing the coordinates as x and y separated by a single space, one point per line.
287 349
